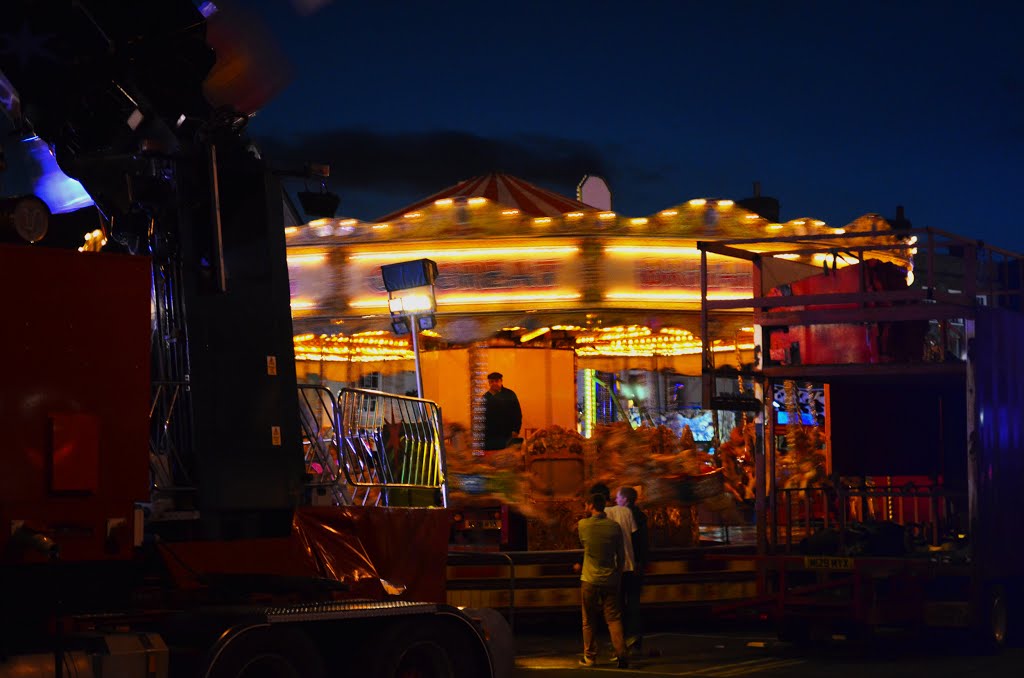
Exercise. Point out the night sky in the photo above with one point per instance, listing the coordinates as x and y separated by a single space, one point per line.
838 109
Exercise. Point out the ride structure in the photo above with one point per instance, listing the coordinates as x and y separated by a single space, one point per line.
155 500
904 516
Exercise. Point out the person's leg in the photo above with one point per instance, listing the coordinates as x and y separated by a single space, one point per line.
638 622
591 607
632 585
631 606
627 606
613 617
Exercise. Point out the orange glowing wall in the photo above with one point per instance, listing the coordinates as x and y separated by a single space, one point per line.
543 379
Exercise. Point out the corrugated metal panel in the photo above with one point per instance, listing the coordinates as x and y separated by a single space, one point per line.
997 355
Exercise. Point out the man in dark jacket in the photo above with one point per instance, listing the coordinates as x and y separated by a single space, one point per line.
502 415
633 582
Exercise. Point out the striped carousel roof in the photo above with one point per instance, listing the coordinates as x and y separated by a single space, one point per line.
503 189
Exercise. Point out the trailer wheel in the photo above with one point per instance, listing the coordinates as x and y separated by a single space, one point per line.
991 619
424 648
266 652
796 630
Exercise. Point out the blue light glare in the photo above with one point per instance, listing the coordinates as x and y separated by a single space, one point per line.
207 9
782 418
60 192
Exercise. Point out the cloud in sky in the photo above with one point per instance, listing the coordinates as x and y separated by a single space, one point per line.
407 166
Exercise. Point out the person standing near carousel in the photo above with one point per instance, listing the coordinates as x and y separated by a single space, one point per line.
600 578
503 416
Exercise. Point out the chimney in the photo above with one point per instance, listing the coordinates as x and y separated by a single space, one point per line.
900 221
764 206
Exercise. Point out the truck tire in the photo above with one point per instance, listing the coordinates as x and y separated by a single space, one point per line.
424 647
266 652
990 621
795 630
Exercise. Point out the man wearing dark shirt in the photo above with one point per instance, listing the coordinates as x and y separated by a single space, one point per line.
633 582
502 415
603 559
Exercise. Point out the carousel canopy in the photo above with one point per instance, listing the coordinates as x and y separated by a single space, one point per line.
503 189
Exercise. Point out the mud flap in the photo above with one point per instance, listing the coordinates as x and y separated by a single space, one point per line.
498 635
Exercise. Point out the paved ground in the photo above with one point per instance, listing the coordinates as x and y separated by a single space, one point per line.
717 651
667 652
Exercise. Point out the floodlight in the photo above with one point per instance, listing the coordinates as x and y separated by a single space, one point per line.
410 286
322 205
409 274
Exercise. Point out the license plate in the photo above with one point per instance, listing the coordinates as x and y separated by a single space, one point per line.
827 563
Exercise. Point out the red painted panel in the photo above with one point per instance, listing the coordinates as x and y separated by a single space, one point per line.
74 453
76 345
838 344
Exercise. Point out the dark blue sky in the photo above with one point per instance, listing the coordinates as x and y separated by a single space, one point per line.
838 109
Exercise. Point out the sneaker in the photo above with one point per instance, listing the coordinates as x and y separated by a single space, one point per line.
622 663
587 661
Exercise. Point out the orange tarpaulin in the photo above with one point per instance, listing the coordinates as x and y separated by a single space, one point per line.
375 552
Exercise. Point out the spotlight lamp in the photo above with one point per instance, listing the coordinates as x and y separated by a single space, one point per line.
410 286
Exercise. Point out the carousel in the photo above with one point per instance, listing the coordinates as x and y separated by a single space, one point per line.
592 316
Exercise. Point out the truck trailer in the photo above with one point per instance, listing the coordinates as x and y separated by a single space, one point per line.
159 511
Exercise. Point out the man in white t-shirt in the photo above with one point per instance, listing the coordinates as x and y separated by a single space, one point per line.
623 515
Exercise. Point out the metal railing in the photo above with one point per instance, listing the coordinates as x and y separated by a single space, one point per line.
927 512
318 421
370 448
391 449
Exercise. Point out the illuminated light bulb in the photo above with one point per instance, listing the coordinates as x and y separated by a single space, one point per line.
726 203
639 221
787 256
320 222
542 220
307 259
466 253
818 222
444 202
291 230
697 202
668 213
573 215
529 336
839 231
413 215
752 217
474 202
413 303
606 215
379 227
774 227
347 222
910 278
649 250
510 213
